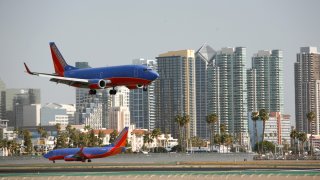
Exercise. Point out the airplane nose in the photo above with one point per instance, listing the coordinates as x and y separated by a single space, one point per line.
155 75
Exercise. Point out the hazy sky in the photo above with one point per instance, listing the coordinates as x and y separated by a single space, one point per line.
115 32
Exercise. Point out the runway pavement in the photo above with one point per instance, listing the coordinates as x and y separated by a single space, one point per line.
150 167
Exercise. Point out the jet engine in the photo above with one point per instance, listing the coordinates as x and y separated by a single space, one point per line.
139 86
98 83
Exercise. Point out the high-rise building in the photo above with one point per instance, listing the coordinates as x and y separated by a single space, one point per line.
307 94
176 91
2 100
203 57
86 104
15 99
227 91
265 82
142 103
118 111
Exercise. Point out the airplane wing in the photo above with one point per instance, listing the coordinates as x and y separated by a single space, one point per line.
80 155
60 79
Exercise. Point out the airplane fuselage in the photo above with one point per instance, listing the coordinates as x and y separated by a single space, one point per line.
127 75
67 154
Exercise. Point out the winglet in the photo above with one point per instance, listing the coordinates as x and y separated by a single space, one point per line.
27 69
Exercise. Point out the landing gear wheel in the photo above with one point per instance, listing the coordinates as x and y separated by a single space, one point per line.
113 92
145 88
54 161
92 91
89 160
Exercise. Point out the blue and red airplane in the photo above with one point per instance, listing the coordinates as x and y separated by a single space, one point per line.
88 153
131 76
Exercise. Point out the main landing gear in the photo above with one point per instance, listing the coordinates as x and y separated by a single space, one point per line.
92 91
145 88
113 91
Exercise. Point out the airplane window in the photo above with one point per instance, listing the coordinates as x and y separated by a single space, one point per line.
145 70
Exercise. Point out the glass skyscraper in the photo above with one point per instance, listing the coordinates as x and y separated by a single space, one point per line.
265 82
175 90
203 56
142 103
307 88
227 91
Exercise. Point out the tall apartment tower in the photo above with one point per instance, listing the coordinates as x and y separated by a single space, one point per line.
91 109
142 103
227 91
307 88
118 112
175 90
265 82
203 57
2 100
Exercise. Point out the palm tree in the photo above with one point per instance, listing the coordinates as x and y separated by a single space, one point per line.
87 128
180 123
293 135
223 128
264 116
155 134
27 141
311 116
186 120
255 117
42 132
101 135
147 139
211 120
303 138
113 136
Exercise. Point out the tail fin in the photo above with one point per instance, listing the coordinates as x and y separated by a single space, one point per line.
60 65
122 138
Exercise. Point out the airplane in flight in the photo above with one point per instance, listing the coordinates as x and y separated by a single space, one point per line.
131 76
88 153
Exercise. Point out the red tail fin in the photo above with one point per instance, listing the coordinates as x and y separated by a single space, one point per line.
122 138
58 61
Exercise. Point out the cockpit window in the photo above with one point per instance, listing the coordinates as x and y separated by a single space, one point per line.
147 69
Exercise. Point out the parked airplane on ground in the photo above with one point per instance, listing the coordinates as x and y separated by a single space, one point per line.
88 153
131 76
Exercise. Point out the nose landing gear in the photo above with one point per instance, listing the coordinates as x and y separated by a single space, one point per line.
145 88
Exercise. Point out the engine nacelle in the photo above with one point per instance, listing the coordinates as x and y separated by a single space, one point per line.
139 86
71 158
97 83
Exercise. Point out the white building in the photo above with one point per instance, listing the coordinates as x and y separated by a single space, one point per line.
119 118
121 98
277 129
31 115
53 113
118 112
6 132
